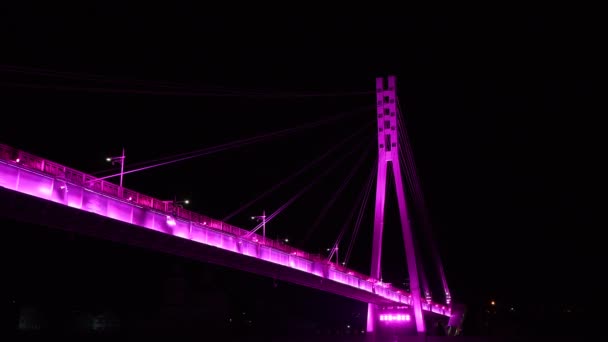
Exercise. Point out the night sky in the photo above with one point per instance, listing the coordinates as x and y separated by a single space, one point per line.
496 107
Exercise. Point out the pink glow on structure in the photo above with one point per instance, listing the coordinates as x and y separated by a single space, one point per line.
20 178
199 235
395 317
388 152
371 311
250 249
75 198
94 202
44 190
119 211
301 264
170 221
181 229
181 234
31 183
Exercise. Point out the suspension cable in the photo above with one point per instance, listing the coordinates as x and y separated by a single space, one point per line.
297 173
406 154
424 213
335 164
366 192
419 263
336 194
346 224
237 143
406 159
231 145
171 88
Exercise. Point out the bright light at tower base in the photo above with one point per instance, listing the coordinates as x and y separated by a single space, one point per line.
395 317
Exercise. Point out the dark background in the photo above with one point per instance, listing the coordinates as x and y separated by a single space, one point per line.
496 103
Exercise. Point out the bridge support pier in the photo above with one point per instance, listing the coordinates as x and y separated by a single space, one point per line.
388 158
392 323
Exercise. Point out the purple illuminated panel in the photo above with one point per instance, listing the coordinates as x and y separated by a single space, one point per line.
120 211
8 176
220 240
214 238
337 276
171 221
405 299
249 248
45 191
344 278
200 234
300 264
59 192
160 223
94 203
34 184
229 242
75 196
180 228
319 269
439 309
365 285
143 217
279 257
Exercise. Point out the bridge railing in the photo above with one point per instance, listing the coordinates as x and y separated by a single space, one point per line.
67 174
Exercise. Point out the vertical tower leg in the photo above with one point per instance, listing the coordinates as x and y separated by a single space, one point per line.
388 151
410 252
377 237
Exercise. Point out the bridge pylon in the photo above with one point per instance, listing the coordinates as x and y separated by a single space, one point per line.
388 153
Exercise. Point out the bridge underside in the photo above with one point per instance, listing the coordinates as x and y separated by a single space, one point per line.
30 209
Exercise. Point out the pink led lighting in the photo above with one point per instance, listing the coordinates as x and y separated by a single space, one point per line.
29 177
388 153
44 190
395 318
170 221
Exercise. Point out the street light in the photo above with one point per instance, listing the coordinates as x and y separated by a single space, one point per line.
176 203
334 249
121 160
263 218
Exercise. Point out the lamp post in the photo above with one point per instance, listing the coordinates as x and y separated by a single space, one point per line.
121 160
263 218
334 249
175 203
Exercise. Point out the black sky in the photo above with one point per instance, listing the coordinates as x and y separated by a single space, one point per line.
496 104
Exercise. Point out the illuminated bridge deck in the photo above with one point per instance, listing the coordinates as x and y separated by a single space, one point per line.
69 199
